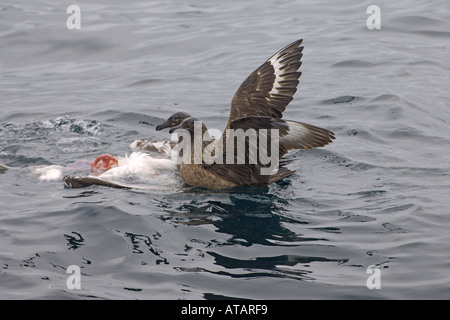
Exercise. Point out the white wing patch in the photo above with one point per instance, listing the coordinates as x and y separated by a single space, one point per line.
305 136
285 64
275 62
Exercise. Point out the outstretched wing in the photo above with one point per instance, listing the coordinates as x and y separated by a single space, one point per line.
270 88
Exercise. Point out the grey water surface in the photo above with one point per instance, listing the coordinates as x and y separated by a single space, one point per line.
378 196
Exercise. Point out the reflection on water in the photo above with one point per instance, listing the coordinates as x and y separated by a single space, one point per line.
248 217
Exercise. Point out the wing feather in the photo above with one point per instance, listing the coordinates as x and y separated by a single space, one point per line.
270 88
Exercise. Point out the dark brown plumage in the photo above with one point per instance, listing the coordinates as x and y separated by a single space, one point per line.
258 104
269 89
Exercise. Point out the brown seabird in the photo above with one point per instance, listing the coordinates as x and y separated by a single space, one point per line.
258 104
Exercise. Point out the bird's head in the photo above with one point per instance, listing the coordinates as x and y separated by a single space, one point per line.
173 121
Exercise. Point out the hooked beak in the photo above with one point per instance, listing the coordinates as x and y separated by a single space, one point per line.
164 125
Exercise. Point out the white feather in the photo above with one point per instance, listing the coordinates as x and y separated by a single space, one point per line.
163 147
274 61
296 131
50 173
139 165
